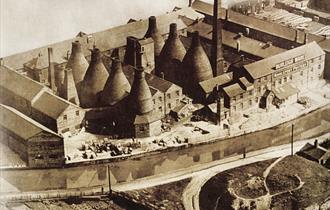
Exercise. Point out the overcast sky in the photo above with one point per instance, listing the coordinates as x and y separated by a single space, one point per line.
27 24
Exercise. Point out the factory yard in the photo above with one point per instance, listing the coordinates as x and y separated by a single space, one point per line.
86 146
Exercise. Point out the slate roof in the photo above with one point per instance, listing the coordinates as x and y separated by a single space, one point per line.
285 91
207 8
18 84
233 90
152 80
20 124
208 85
229 39
50 105
265 67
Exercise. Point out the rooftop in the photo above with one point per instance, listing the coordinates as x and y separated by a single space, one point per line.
51 105
152 80
247 45
233 90
285 91
312 151
11 118
18 84
210 84
265 67
108 39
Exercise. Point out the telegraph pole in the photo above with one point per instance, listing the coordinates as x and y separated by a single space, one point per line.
109 179
292 127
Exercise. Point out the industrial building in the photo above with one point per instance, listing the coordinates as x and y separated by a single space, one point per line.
37 145
130 77
37 101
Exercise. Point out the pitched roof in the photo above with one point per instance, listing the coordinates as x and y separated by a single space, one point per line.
233 90
20 124
50 105
265 67
108 39
207 8
18 84
247 45
245 82
285 91
152 80
210 84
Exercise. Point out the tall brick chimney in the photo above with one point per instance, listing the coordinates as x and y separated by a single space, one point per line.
217 51
51 70
171 55
130 54
77 62
69 91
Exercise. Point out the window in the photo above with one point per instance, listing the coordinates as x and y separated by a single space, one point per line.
178 93
154 101
280 81
241 95
259 89
160 99
320 66
169 105
312 69
77 113
168 95
160 109
302 73
256 99
312 60
234 98
234 107
250 92
285 79
250 102
242 106
320 58
290 77
142 128
65 117
273 83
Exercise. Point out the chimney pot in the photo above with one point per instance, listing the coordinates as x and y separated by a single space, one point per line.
316 143
173 30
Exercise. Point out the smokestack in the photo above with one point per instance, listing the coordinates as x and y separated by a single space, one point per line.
51 70
156 36
59 77
171 55
117 85
77 62
190 3
316 143
69 91
94 80
216 51
140 93
196 66
131 47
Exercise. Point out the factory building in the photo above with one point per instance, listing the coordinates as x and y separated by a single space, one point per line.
33 99
37 145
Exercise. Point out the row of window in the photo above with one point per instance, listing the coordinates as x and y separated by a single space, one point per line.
65 117
241 105
41 157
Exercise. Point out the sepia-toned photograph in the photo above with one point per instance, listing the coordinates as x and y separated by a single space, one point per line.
165 104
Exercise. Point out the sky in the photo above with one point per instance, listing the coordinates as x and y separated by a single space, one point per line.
28 24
